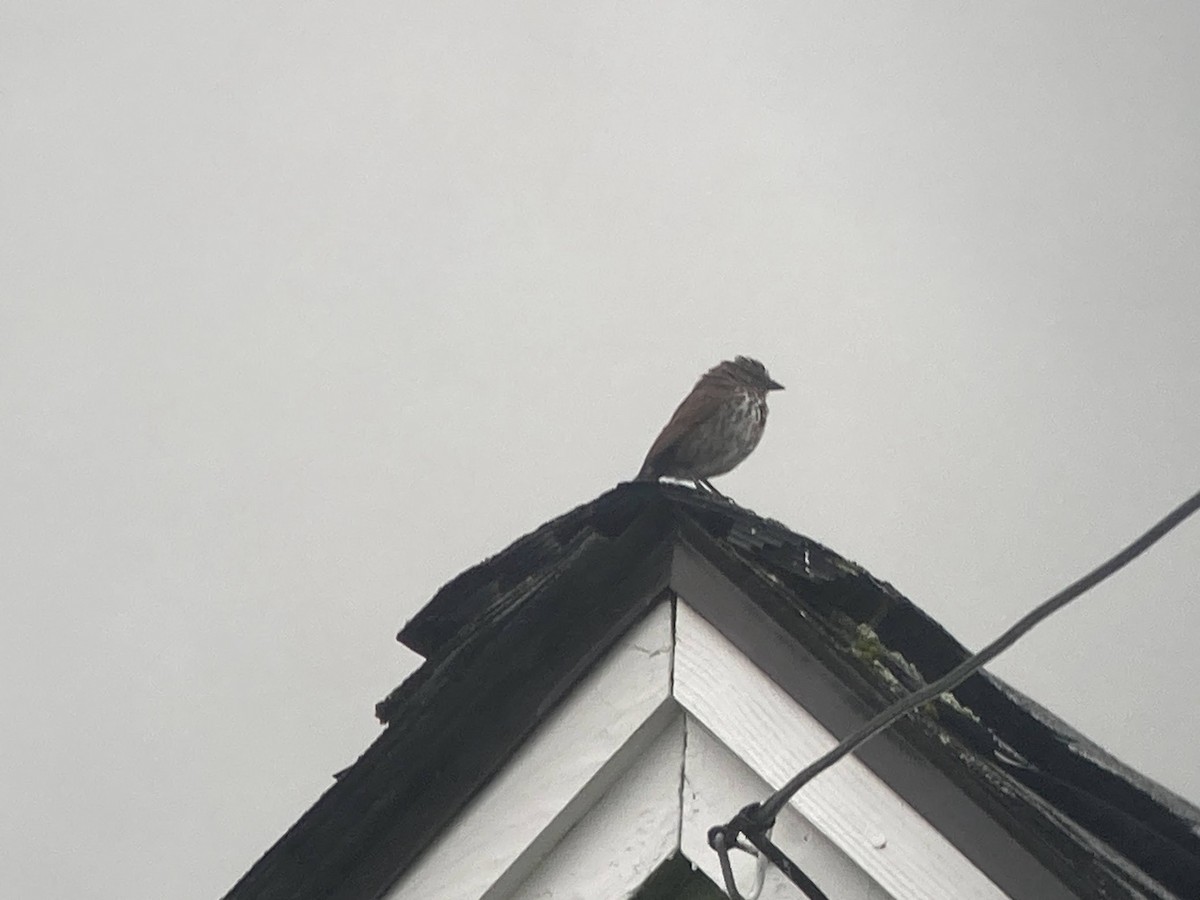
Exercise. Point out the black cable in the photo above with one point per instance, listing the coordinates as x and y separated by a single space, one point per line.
784 864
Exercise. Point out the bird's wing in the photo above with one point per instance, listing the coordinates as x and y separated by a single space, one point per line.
702 404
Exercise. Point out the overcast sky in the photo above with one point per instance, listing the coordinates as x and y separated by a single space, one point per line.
305 307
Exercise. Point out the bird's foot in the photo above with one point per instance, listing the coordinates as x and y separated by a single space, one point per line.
705 485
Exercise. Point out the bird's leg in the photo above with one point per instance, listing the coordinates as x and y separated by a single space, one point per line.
712 490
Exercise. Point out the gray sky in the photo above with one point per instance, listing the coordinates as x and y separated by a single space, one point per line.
306 307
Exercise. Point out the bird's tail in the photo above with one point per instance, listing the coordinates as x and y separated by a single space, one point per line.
658 463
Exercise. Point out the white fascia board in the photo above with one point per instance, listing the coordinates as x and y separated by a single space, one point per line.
630 832
852 807
716 785
557 774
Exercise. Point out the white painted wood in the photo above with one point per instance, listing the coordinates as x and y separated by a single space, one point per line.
776 737
716 785
628 834
556 775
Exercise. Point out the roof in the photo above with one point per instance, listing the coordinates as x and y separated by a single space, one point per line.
506 640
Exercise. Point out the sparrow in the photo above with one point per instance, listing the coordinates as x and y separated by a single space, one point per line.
715 427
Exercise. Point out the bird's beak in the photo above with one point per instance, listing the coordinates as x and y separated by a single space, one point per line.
774 386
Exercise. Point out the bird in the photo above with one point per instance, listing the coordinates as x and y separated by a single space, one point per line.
715 427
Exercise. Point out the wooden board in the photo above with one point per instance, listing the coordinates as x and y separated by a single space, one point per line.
556 775
859 813
628 834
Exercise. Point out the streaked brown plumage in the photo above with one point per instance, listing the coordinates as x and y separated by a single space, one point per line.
716 426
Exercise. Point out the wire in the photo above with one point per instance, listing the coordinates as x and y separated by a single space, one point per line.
765 851
770 808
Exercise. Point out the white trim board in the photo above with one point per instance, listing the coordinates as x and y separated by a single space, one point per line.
630 832
672 733
716 785
776 737
559 773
